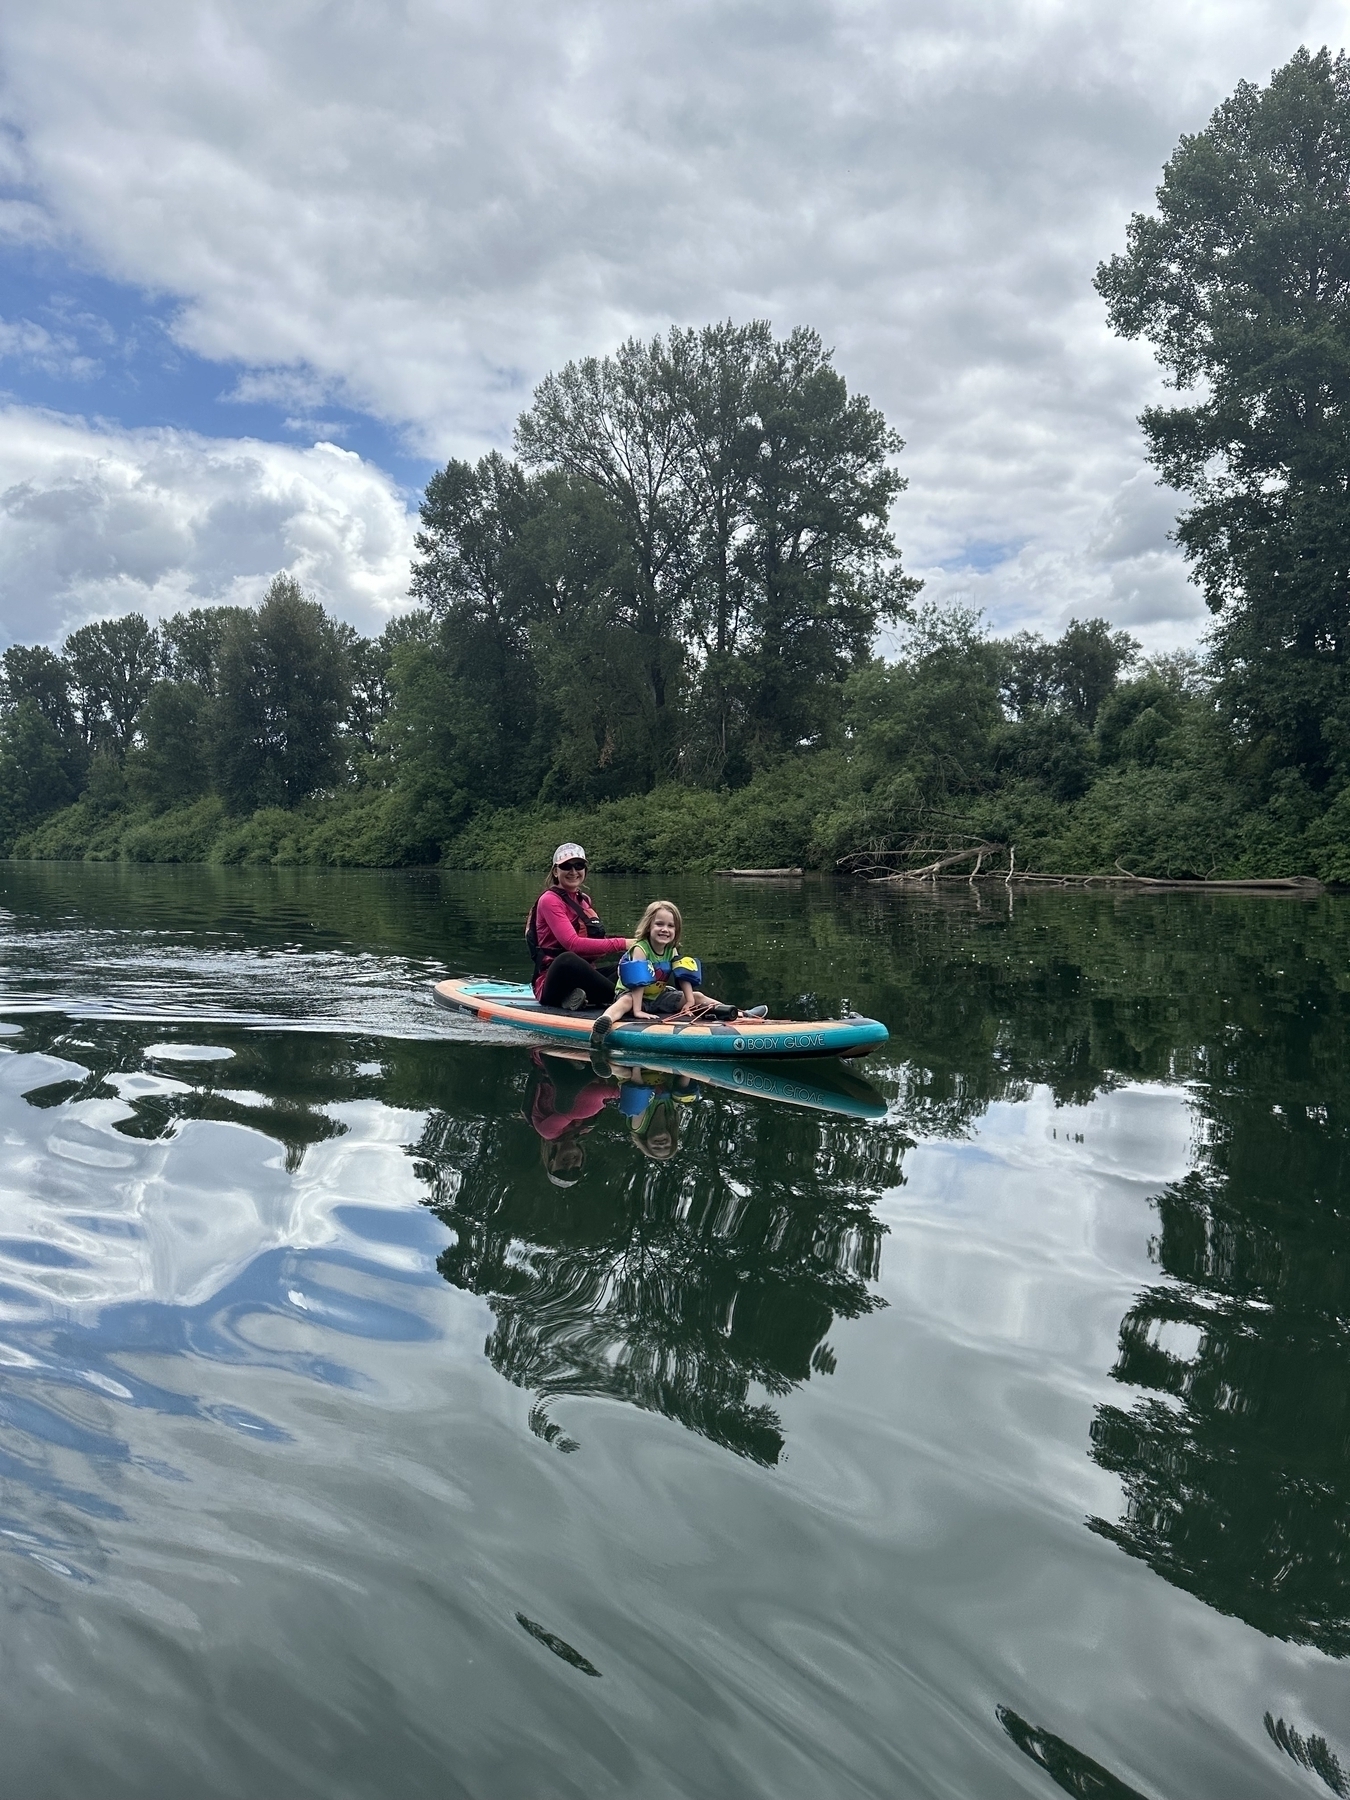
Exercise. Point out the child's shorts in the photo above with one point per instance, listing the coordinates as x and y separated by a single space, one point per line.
669 1000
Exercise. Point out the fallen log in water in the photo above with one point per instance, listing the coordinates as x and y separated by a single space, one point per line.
943 869
1275 884
757 874
931 871
1305 885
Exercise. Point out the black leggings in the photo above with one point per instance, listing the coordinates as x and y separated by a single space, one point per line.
570 971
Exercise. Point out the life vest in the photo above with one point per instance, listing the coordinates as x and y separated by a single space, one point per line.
653 973
587 924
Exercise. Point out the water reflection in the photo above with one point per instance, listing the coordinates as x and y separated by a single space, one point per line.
1234 1455
678 1284
697 1274
1066 1766
570 1093
1235 1458
563 1120
249 1267
1312 1753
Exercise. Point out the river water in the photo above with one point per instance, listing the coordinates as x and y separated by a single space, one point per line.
386 1410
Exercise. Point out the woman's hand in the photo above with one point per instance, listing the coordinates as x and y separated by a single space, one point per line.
632 943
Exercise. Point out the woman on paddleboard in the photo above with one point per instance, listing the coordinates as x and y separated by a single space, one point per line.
566 938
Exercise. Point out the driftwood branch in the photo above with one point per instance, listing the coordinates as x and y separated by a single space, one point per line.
877 867
936 867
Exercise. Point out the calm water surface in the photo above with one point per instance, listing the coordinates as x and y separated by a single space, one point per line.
386 1410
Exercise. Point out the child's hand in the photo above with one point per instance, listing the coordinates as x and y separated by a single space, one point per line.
687 1010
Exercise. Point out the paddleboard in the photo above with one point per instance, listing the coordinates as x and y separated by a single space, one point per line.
513 1003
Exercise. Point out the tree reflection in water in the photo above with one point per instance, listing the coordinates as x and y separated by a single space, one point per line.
677 1285
705 1285
1236 1459
1066 1766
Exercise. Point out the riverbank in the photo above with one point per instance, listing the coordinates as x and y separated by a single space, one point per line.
1183 821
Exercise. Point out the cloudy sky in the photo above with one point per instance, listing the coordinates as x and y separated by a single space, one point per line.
265 265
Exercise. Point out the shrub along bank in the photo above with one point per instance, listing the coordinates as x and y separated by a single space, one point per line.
1074 752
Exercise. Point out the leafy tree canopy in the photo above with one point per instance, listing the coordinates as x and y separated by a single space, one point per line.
1241 283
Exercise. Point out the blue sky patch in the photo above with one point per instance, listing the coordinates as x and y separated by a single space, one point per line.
983 554
72 341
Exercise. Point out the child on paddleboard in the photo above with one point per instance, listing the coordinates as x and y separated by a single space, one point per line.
660 980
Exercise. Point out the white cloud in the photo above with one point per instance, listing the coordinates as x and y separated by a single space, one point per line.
95 522
1117 565
30 345
418 208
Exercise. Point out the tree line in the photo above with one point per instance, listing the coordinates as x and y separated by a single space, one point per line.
264 706
661 614
671 582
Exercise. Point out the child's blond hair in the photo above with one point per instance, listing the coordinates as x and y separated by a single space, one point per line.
644 924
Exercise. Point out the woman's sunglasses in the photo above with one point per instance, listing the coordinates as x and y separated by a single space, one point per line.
573 867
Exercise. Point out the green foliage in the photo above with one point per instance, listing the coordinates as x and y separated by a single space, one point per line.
192 642
113 665
36 773
1073 676
1242 285
183 834
767 824
128 721
172 763
925 742
281 689
34 674
655 632
753 495
1050 749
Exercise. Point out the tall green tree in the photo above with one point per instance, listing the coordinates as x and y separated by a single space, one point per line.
823 564
599 729
31 672
369 695
113 665
282 696
755 494
174 760
39 769
614 421
469 577
192 642
1087 664
1241 283
534 677
712 376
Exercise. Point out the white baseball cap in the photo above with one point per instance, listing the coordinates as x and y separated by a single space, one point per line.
568 853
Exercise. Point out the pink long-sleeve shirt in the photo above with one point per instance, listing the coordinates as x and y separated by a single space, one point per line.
555 928
551 1122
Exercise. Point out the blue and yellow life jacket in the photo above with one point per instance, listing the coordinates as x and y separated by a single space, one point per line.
672 966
